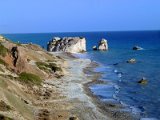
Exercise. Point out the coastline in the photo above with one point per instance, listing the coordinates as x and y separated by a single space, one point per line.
73 86
112 110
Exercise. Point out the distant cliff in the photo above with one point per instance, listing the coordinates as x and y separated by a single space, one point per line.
67 44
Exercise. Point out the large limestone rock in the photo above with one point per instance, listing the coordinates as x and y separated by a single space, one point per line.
103 45
67 44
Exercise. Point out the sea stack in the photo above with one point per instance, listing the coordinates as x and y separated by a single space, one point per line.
67 44
103 45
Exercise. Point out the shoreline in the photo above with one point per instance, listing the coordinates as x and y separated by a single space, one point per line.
73 88
111 109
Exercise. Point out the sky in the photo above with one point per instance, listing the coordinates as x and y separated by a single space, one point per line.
39 16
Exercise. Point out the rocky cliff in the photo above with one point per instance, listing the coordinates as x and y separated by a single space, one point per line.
67 44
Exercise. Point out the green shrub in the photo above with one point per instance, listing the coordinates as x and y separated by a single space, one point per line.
1 70
30 78
42 64
48 66
54 67
3 50
2 117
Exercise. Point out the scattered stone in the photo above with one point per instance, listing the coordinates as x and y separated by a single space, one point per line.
67 44
94 47
43 114
103 45
131 61
143 81
137 48
4 106
73 118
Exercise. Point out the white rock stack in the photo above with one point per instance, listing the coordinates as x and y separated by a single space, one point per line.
67 44
103 45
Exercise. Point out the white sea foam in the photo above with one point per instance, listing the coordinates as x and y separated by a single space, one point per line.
148 119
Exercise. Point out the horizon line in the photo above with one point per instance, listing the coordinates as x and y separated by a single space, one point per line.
80 32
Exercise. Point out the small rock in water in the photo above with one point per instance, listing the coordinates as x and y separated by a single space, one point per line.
131 60
115 63
137 48
94 47
143 81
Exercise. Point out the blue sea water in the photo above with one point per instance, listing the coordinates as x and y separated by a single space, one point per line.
122 79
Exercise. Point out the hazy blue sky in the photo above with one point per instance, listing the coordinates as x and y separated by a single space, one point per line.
26 16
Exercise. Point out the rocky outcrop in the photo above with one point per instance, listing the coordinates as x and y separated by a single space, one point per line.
137 48
143 81
94 47
103 45
14 52
67 44
131 61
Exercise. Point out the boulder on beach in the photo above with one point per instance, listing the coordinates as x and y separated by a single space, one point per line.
131 60
137 48
143 81
67 44
103 45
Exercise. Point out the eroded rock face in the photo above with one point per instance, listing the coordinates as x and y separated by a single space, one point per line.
14 52
67 44
103 45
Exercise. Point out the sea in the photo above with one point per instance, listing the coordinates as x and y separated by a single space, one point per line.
121 77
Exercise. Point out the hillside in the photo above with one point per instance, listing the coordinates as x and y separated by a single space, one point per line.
24 68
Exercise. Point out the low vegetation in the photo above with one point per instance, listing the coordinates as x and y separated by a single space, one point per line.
30 78
3 50
2 117
1 70
48 66
54 67
2 62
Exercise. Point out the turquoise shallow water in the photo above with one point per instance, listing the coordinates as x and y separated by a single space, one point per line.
123 86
